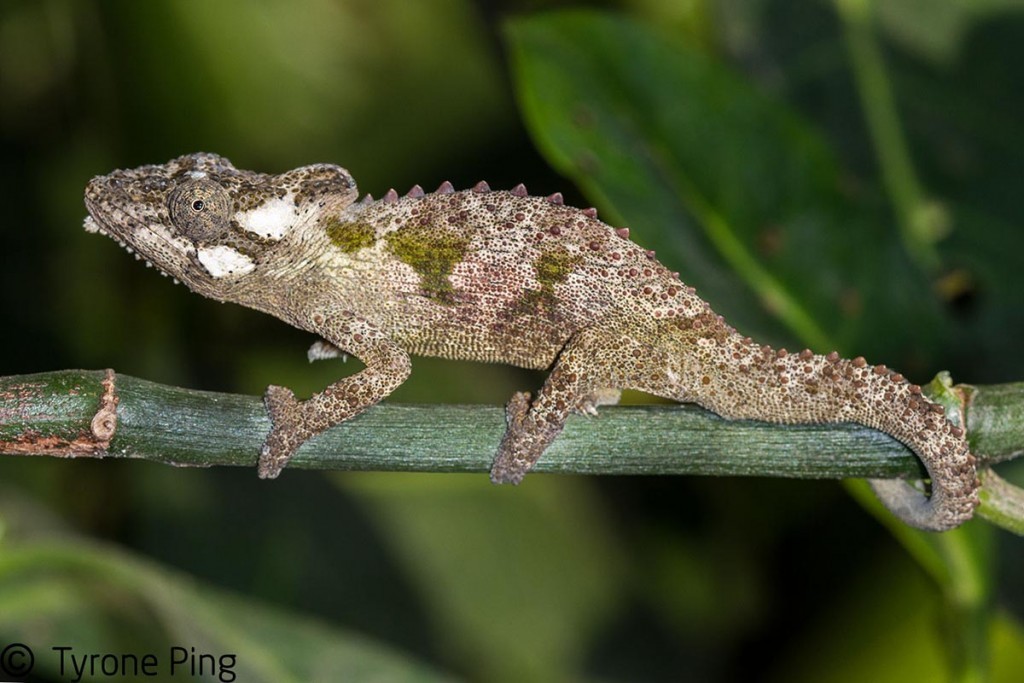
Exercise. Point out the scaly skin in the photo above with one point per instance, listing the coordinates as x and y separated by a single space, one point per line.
498 277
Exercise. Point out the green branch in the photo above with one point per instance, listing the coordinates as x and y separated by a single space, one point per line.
76 413
54 413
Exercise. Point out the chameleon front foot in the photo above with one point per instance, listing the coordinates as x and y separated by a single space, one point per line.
281 443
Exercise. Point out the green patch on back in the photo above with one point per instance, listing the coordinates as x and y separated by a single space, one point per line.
349 237
552 267
432 252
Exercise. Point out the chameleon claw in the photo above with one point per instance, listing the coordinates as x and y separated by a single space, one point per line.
268 467
516 408
505 475
277 450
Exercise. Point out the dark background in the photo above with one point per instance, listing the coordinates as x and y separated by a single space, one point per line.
565 578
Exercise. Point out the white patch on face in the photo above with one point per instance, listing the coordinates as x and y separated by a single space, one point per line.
196 175
221 261
270 220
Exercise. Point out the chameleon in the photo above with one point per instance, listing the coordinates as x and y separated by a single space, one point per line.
495 276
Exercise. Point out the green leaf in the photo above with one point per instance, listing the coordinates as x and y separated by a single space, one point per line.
729 185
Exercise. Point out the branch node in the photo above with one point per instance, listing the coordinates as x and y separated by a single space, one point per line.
104 423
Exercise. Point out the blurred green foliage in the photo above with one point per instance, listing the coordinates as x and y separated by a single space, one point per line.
733 137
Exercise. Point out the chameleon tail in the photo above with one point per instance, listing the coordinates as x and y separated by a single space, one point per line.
808 388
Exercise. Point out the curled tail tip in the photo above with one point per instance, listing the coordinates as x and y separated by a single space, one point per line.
935 513
953 499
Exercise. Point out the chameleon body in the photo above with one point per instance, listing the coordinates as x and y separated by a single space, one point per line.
494 276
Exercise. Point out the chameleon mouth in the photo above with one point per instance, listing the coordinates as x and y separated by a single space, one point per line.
95 223
101 218
114 222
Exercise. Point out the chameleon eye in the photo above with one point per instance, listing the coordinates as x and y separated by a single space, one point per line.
200 209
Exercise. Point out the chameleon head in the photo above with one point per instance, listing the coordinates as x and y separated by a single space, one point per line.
202 221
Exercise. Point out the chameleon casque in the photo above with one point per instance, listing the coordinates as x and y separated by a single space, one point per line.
502 277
